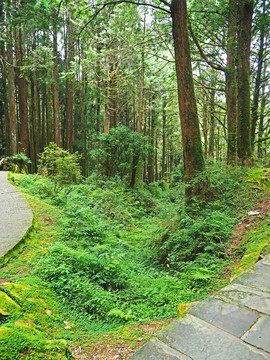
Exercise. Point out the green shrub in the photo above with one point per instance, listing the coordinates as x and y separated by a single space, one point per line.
60 166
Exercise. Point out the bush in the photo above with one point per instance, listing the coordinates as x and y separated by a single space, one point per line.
60 166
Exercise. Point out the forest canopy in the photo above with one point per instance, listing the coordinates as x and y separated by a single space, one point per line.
89 76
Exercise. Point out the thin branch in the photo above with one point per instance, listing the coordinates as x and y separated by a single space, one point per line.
208 61
120 2
165 3
261 140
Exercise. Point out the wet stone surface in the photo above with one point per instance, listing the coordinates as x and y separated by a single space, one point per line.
234 324
16 215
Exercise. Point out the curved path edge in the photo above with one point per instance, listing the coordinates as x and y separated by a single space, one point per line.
233 324
16 216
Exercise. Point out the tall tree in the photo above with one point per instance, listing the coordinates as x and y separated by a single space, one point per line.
244 41
191 138
231 83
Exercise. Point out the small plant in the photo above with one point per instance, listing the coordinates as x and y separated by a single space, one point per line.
60 166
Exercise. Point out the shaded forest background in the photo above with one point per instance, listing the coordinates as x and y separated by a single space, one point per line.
99 78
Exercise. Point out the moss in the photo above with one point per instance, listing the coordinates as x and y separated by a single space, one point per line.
28 332
7 305
254 244
182 309
16 290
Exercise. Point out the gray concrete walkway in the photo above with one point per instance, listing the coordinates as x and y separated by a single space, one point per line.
234 324
15 215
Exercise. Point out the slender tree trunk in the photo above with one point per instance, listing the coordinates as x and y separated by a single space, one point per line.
12 128
140 114
255 105
55 89
191 138
107 108
21 91
231 83
262 116
244 41
36 113
49 108
212 122
151 157
205 124
31 128
164 138
69 89
83 133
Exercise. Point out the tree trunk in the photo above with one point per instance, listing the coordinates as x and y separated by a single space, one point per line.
258 84
191 138
21 90
56 91
231 83
244 41
69 88
164 124
212 121
262 115
49 108
83 133
12 128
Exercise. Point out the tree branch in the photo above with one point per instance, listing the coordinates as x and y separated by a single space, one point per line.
203 55
120 2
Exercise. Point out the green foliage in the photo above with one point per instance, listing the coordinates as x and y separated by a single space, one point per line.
124 255
119 153
17 163
60 166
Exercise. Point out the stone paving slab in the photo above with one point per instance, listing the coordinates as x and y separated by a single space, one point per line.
246 296
16 215
157 350
261 281
231 318
259 334
203 341
234 324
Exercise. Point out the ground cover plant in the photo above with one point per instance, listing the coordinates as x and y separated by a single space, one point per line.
117 256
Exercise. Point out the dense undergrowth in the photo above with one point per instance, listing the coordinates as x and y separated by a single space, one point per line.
130 255
118 256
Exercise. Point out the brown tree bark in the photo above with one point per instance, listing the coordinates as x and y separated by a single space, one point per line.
83 133
231 83
191 138
12 127
244 41
255 105
56 87
21 90
262 115
49 113
69 87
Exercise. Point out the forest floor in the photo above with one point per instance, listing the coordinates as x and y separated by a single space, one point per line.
85 338
108 347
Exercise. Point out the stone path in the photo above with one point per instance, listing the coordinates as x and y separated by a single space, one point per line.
234 324
15 215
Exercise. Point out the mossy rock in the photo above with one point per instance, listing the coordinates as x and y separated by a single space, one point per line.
17 291
7 305
29 344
